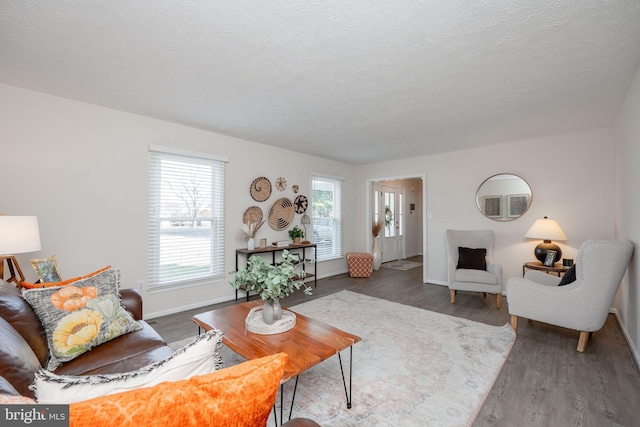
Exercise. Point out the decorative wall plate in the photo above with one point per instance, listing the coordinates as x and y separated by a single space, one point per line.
260 189
295 188
281 183
252 214
301 204
281 214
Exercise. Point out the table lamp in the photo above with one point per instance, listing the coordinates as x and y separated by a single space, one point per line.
547 230
18 235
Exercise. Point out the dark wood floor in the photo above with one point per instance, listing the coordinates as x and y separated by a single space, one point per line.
544 382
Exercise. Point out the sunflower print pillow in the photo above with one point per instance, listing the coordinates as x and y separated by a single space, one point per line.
81 316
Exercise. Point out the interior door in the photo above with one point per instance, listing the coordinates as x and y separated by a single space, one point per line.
389 205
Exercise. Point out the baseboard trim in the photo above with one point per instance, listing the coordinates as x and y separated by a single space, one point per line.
627 337
174 310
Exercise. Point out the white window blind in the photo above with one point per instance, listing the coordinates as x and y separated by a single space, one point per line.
186 218
326 210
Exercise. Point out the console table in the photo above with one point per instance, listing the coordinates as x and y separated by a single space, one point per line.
248 253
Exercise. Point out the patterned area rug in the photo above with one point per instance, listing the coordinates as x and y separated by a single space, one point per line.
412 367
401 264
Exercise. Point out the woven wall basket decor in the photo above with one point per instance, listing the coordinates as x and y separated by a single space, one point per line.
281 214
301 204
252 214
260 189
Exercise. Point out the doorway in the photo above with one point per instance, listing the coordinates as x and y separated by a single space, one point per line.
400 204
389 208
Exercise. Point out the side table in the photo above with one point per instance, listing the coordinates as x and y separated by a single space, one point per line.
248 253
537 265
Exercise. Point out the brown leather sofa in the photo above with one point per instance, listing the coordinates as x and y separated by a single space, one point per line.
20 330
21 333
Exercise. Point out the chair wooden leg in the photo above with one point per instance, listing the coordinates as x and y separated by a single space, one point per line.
514 322
499 301
582 341
452 295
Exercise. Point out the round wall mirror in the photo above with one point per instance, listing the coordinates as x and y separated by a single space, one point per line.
504 197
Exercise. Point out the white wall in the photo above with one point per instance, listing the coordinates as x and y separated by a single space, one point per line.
572 180
83 170
627 136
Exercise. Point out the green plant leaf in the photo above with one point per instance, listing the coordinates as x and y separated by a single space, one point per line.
271 282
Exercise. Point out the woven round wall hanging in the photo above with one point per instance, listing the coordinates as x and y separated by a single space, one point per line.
281 214
252 214
281 183
260 189
301 204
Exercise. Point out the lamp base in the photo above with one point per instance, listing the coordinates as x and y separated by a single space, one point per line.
542 249
14 268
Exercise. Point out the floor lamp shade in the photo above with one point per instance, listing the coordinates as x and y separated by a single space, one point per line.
546 230
18 235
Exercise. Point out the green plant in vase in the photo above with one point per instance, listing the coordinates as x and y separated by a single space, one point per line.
296 234
271 282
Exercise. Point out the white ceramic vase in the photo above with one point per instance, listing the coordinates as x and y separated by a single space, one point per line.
377 254
251 244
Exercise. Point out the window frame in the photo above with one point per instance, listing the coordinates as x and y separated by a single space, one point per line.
157 215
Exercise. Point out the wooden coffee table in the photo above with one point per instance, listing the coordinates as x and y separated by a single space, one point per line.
308 343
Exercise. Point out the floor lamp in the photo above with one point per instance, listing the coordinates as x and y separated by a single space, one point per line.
18 235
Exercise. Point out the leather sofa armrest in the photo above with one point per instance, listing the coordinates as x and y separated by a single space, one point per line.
132 301
6 388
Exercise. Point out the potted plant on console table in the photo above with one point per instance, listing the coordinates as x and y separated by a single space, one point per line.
296 234
271 282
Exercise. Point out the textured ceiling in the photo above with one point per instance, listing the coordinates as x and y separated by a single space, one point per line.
358 81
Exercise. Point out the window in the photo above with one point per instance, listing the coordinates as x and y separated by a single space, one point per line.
389 214
186 217
326 210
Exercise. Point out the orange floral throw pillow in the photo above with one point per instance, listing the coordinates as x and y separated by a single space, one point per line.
80 316
241 395
28 285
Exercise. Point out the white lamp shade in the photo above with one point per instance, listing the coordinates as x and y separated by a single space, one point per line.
546 229
19 234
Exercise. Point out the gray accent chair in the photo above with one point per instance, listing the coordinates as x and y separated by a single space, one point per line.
487 281
582 305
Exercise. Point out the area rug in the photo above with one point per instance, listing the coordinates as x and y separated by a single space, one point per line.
412 367
401 264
